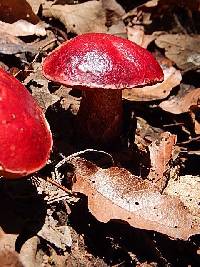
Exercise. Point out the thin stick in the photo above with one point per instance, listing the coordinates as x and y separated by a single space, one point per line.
53 182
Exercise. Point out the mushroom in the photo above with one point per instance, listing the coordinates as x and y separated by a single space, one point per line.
101 65
25 136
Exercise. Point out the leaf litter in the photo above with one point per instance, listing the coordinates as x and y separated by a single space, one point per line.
161 125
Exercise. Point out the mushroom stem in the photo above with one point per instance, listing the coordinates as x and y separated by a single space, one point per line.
100 115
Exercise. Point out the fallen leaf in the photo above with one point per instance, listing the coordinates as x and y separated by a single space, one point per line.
39 88
115 193
80 18
195 116
12 11
182 102
187 188
161 152
114 14
145 133
9 258
182 49
136 34
114 6
68 101
118 29
60 237
172 78
35 5
10 44
163 5
23 28
151 3
8 255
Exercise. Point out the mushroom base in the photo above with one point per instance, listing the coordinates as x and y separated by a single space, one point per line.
100 116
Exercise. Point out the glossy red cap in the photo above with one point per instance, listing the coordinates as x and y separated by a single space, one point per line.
25 136
99 60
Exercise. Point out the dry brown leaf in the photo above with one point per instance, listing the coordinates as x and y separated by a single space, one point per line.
145 134
60 237
10 44
136 34
172 78
9 258
151 3
183 49
149 11
187 188
115 193
68 101
8 255
80 18
23 28
182 101
35 5
118 29
163 5
40 89
12 11
195 116
114 6
161 152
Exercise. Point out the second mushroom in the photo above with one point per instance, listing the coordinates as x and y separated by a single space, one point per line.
101 65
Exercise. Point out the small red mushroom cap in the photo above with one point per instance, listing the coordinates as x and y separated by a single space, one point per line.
25 136
99 60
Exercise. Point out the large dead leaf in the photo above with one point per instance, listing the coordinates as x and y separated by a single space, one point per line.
23 28
172 78
80 18
115 193
183 49
12 11
182 102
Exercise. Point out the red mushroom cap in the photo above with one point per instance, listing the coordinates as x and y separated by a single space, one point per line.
101 60
25 136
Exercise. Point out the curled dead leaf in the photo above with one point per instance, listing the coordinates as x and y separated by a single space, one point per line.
182 102
161 152
172 78
80 18
115 193
182 49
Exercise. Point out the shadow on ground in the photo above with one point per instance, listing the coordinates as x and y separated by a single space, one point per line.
22 210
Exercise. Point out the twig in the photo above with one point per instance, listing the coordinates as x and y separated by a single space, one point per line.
53 182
